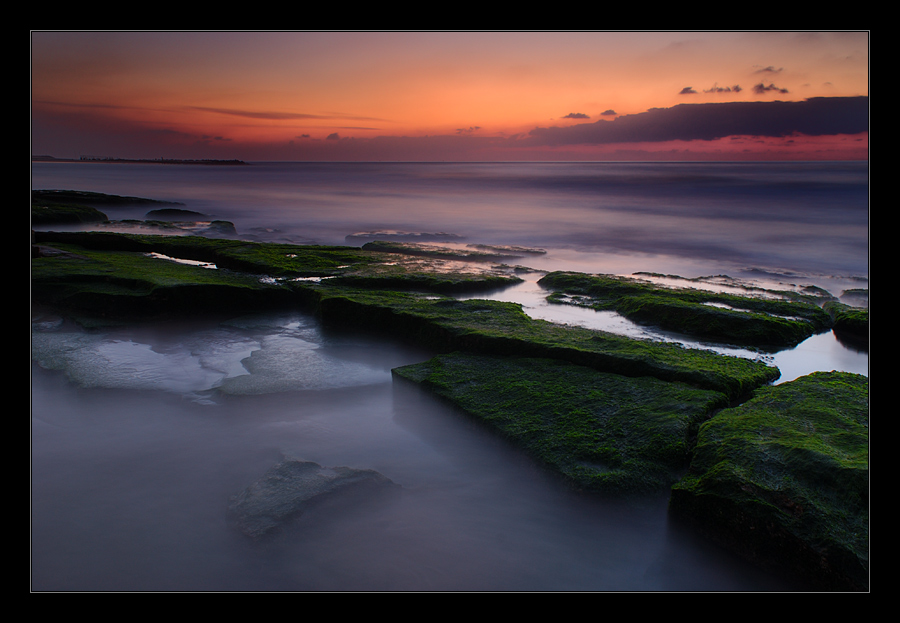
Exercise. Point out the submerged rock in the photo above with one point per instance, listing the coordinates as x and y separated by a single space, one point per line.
290 488
766 322
783 480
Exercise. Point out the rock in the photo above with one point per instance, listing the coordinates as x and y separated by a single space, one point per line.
600 431
174 214
783 480
290 488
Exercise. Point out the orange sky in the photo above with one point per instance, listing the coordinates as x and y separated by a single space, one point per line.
378 95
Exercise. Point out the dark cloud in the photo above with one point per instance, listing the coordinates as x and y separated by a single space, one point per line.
332 137
717 89
576 115
760 89
686 122
469 130
687 91
608 113
768 70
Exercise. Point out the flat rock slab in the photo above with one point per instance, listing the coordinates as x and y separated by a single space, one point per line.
784 480
290 488
601 431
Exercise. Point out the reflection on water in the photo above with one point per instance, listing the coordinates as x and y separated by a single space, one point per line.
823 352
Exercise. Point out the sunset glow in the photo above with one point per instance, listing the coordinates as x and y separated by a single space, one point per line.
432 95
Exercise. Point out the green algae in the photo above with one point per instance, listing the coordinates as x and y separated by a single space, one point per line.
501 328
783 479
850 320
110 274
743 320
130 283
600 431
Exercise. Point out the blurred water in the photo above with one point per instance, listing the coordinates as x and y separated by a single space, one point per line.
141 434
793 218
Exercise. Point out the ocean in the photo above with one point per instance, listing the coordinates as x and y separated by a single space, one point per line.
141 434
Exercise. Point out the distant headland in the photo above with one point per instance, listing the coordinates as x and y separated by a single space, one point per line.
136 160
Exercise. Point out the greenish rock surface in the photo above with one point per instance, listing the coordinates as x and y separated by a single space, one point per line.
47 213
600 431
501 328
851 321
744 320
111 275
783 479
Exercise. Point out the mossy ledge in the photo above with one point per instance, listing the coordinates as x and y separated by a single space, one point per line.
56 207
600 431
500 328
783 480
110 275
741 320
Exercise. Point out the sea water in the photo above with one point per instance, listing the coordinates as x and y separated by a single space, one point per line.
141 434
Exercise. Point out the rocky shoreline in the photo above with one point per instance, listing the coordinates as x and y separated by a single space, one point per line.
611 415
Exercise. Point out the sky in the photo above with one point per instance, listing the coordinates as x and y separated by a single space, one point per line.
451 96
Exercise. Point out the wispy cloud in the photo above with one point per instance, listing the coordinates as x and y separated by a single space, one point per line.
279 115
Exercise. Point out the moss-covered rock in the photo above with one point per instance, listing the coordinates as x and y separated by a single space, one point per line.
601 431
52 214
851 321
783 479
112 274
742 320
128 274
501 328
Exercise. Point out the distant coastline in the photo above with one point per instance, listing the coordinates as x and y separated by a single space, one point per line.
137 160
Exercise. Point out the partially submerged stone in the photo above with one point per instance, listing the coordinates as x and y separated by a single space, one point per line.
601 431
784 478
762 321
290 488
502 328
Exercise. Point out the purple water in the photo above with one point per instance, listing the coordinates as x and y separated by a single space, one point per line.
141 434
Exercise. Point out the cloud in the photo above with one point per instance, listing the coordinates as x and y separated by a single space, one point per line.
469 130
685 122
768 70
687 91
576 115
608 113
717 89
278 115
259 114
332 137
760 89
